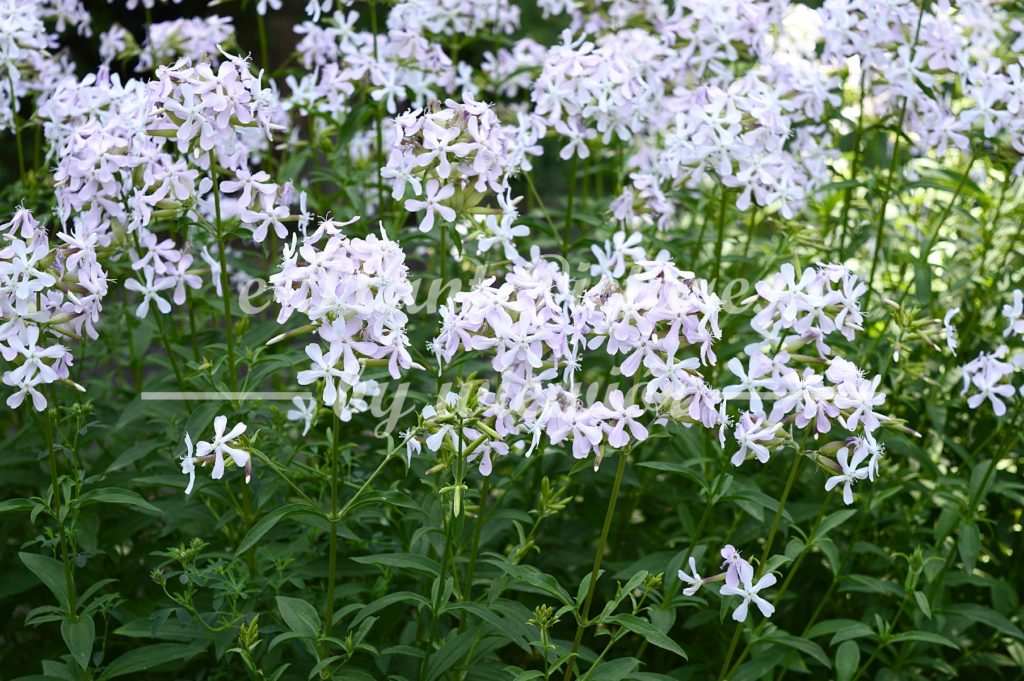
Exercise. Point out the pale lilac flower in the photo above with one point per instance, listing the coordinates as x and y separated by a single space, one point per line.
749 592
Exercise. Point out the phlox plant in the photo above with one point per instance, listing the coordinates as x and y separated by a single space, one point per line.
450 340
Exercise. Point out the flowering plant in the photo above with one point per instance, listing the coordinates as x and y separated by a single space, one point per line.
448 339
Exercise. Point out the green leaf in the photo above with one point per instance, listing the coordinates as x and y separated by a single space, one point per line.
50 572
16 505
925 637
267 523
847 661
450 654
402 561
649 632
968 543
79 637
833 520
299 616
531 576
615 670
987 616
922 602
147 657
804 645
116 495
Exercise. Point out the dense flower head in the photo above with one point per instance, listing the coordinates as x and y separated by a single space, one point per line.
538 330
50 293
783 389
353 291
448 158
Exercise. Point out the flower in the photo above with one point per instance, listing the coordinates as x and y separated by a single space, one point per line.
432 204
221 445
749 593
305 410
188 464
850 472
1015 314
949 330
693 579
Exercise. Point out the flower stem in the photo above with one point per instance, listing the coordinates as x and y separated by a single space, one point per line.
471 570
69 580
228 323
598 556
261 27
568 212
723 201
332 564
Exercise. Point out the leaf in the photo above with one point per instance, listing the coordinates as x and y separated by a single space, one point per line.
922 602
402 561
16 505
979 473
505 627
50 572
847 661
406 597
79 637
148 657
968 543
267 523
987 616
649 632
117 495
531 576
834 520
804 645
925 637
450 654
615 670
299 616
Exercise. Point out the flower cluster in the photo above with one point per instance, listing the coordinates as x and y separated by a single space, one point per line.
450 157
353 292
47 292
465 18
538 333
398 66
812 392
989 376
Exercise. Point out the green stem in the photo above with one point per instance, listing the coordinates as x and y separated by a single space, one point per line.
69 580
721 234
170 351
568 207
261 28
854 168
229 326
475 547
17 128
332 565
598 556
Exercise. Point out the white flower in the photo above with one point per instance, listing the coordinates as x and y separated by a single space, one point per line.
221 445
188 464
304 411
693 579
950 330
748 592
1015 314
850 472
